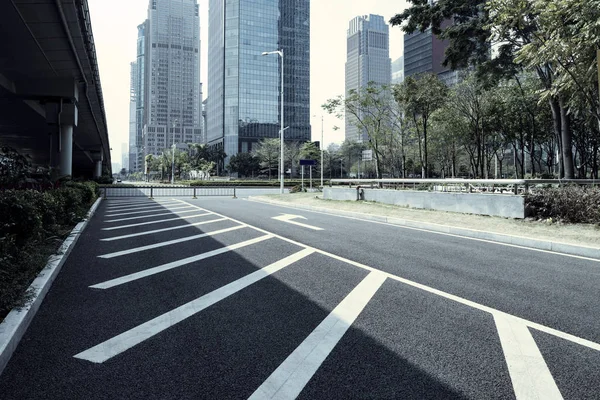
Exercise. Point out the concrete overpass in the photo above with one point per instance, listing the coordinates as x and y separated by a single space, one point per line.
51 105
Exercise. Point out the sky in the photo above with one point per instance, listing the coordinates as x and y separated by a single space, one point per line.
114 24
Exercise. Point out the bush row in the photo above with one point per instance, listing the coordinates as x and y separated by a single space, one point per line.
271 183
32 223
570 204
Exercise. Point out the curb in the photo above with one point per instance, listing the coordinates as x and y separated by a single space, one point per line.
558 247
17 321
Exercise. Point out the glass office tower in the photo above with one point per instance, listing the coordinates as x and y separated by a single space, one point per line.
243 104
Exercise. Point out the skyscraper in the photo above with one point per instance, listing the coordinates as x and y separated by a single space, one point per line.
243 104
368 60
169 90
132 164
424 53
398 70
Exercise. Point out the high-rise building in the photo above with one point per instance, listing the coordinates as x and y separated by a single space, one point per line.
424 53
368 60
132 164
243 104
125 156
168 106
398 70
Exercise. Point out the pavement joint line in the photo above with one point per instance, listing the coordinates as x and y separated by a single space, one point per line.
431 228
17 321
529 373
126 340
176 264
155 222
163 230
142 212
551 331
147 216
169 242
290 378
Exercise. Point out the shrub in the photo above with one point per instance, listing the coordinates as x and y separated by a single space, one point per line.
572 204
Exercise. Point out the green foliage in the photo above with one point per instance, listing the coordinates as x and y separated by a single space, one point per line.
14 168
244 164
30 223
570 204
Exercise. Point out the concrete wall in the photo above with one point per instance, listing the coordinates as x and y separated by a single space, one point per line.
500 205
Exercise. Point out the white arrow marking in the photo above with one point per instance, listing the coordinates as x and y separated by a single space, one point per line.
289 217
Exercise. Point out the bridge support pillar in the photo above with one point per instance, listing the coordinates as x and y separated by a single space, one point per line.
66 150
97 157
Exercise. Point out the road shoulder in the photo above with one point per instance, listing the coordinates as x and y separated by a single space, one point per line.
356 211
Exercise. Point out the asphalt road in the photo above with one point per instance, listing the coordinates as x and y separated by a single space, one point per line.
220 298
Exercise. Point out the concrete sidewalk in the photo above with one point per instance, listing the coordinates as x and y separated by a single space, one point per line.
576 239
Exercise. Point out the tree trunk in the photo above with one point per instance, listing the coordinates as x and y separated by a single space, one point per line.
567 141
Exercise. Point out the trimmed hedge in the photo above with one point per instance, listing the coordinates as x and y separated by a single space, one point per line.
271 183
570 204
32 224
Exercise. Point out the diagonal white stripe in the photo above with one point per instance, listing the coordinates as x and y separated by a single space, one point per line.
150 216
145 331
529 373
160 221
288 380
169 242
162 230
144 211
176 264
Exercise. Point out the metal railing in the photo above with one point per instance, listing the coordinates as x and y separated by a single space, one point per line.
167 191
514 186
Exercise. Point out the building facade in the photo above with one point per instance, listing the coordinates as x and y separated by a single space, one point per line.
243 105
367 60
132 149
169 94
398 70
424 53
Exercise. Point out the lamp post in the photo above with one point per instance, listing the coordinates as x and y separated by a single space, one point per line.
281 167
173 155
322 149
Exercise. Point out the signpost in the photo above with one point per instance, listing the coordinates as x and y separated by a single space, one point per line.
309 163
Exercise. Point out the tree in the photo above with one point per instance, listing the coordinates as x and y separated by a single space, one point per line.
370 110
420 97
244 164
267 151
123 172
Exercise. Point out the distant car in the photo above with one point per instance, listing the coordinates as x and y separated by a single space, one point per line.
118 180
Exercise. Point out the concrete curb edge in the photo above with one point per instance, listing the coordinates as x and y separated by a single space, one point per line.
17 321
558 247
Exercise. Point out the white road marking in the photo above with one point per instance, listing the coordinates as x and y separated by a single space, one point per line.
176 264
289 219
170 242
144 211
145 207
435 232
135 336
160 221
529 373
288 380
141 205
162 230
469 303
113 203
149 216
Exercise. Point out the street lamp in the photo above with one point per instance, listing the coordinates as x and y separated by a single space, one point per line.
173 155
281 167
322 144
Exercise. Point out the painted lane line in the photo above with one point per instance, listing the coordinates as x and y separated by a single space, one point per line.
133 208
148 216
469 303
160 221
162 230
140 204
530 376
118 344
169 242
176 264
288 380
129 203
144 211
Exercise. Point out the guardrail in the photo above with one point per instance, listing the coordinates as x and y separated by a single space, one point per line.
167 191
514 186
